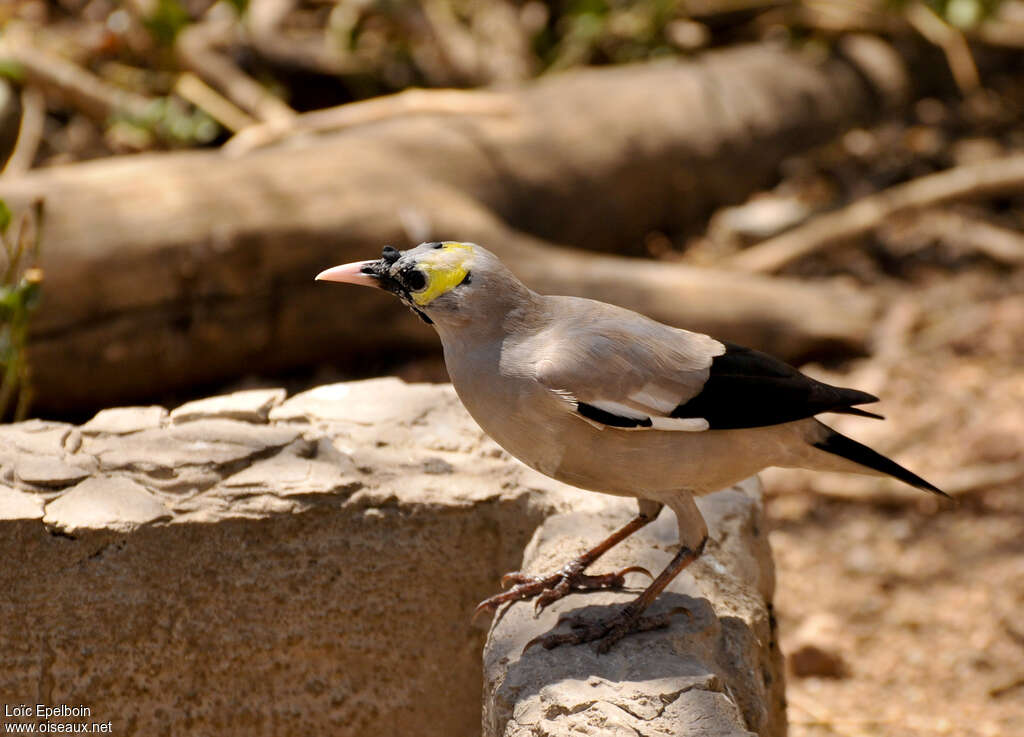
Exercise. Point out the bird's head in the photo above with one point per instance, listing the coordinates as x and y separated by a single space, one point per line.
444 282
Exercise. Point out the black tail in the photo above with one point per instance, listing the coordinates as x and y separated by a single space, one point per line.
844 447
859 412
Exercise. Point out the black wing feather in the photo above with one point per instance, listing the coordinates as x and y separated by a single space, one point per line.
747 388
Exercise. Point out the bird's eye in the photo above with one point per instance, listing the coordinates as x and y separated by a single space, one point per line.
415 280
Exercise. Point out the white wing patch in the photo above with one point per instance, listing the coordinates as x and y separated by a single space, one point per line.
659 398
680 424
650 421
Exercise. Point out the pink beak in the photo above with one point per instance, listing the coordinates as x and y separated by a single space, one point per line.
349 273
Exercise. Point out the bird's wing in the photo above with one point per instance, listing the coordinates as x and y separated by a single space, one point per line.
747 388
639 374
626 373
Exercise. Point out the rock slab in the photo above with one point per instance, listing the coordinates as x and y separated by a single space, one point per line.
214 570
255 565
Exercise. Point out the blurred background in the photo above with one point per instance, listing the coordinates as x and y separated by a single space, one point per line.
839 183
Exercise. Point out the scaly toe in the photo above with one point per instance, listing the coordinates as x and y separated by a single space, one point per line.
492 603
548 589
616 580
516 577
635 569
641 624
605 633
581 632
551 595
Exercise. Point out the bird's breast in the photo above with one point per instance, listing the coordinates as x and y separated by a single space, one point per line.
517 417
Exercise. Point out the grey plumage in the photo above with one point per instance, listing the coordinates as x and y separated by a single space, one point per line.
608 400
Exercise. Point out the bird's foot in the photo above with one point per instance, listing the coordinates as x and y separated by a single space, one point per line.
607 632
548 589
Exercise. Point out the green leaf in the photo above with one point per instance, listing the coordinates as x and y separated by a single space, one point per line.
5 217
964 13
9 301
12 70
167 20
31 292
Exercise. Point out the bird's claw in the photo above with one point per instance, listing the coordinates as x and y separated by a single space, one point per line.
516 577
549 589
606 633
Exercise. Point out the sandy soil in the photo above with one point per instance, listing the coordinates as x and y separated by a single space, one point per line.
915 607
922 607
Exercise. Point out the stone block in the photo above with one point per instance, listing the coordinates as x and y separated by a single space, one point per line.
716 670
314 573
306 575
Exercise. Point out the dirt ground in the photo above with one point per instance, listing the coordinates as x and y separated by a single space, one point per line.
922 608
904 612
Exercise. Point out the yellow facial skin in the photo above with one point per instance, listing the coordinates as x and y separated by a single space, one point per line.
445 268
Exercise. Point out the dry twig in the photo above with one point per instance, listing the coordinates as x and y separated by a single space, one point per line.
30 132
59 76
951 41
980 476
1000 32
200 94
983 179
263 22
197 49
408 102
869 490
974 234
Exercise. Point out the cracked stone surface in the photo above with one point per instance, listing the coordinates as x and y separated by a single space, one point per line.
249 406
114 503
715 671
255 565
122 420
17 505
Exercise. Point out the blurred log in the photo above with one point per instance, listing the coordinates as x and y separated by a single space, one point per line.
168 270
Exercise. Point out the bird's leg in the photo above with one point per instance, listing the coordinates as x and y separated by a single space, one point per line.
571 576
630 618
693 534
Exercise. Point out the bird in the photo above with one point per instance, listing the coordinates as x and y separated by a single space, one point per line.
608 400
